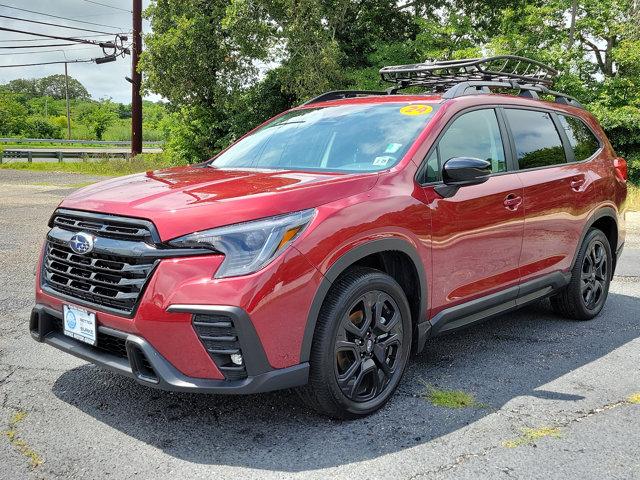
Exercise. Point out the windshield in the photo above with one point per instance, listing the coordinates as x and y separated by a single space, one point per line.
344 138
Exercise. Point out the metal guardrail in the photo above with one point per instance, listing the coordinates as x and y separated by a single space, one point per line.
30 155
77 142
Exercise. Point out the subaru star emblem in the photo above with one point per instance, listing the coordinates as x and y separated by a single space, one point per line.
81 243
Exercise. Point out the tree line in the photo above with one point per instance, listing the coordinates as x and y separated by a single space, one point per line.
36 108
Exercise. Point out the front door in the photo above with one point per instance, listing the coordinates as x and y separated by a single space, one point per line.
476 233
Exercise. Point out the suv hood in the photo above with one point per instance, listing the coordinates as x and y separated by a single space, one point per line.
183 200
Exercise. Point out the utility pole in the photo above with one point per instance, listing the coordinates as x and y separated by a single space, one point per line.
66 94
136 80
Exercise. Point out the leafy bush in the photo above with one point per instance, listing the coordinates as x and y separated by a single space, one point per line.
38 128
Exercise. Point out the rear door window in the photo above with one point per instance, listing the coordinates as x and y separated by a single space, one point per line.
583 142
537 141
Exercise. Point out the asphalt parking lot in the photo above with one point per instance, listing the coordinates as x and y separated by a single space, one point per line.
555 398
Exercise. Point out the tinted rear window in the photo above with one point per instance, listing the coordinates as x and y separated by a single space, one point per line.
537 141
348 138
581 138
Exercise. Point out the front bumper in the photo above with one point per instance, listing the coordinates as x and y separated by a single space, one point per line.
148 367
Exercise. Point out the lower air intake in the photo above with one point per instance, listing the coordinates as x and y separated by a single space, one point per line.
219 336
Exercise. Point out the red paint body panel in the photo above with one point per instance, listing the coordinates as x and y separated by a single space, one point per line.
473 225
186 199
469 245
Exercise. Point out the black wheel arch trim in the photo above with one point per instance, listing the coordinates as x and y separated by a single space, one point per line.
597 215
348 259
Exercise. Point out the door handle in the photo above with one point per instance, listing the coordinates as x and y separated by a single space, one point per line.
512 201
577 183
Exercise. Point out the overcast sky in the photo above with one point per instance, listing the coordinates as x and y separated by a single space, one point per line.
106 80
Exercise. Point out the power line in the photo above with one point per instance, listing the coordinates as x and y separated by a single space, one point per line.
57 16
54 24
58 37
108 6
38 46
38 40
47 51
49 63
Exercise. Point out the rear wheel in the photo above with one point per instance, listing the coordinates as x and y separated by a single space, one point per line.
587 292
361 345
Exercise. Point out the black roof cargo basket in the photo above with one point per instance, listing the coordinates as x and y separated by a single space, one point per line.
469 76
447 73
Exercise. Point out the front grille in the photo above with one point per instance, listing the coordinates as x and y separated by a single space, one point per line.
113 275
107 280
219 336
104 226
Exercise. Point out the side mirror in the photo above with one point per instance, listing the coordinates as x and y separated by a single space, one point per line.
463 171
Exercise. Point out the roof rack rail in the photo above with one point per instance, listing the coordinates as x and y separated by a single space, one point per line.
340 94
447 73
524 90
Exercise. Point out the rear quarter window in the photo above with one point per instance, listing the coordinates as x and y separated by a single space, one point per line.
583 142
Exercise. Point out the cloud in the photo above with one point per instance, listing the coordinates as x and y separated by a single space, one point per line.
106 80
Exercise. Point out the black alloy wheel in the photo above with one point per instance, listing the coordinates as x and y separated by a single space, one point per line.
584 297
594 275
368 346
361 345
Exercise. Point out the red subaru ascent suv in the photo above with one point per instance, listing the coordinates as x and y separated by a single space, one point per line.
329 243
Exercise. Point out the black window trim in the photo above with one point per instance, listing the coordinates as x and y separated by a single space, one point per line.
508 142
506 145
568 149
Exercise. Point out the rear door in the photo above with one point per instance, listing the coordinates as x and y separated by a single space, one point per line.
477 232
554 184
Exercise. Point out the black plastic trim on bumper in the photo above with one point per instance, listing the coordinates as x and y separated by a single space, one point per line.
165 376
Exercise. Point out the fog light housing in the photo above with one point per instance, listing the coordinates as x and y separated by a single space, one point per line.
236 358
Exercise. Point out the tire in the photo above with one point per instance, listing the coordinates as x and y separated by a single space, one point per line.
591 273
357 359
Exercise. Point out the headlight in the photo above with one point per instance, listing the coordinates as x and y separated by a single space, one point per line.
249 246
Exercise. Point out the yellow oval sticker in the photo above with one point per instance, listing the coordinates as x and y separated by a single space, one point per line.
416 109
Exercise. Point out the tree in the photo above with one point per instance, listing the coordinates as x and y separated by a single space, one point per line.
195 62
99 116
13 115
24 86
51 86
54 86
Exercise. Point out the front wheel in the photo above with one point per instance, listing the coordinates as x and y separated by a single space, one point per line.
361 345
587 291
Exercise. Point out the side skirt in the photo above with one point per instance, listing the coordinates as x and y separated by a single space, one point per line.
483 308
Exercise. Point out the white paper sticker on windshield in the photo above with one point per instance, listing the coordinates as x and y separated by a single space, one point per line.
382 161
393 147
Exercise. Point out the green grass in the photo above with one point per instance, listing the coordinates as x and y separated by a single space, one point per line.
633 197
531 435
450 398
107 167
